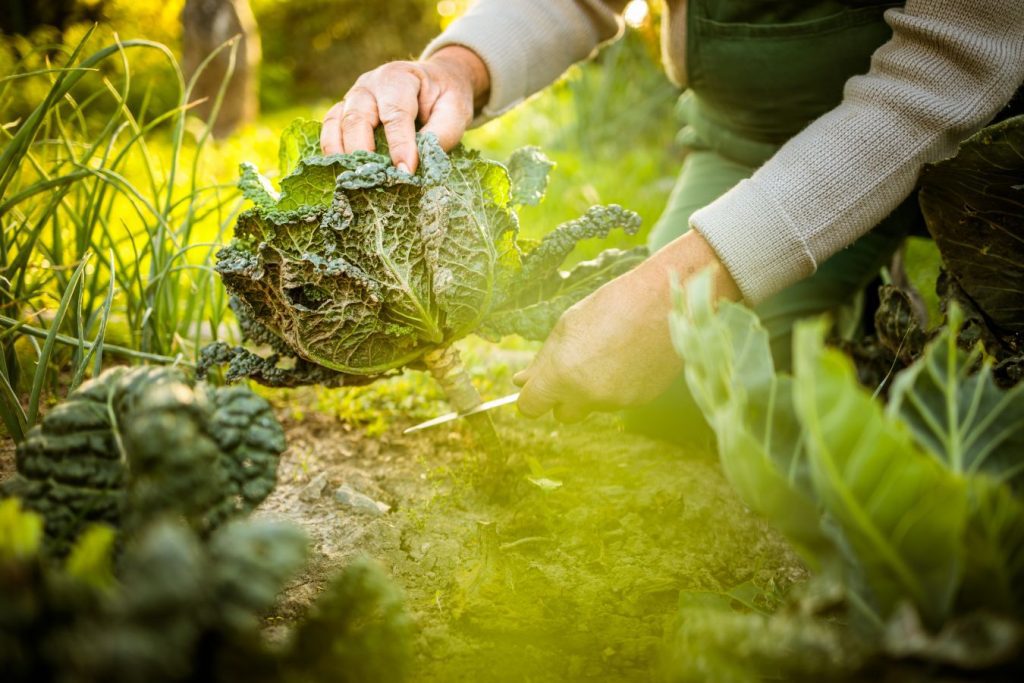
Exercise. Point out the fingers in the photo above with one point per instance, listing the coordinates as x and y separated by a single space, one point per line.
398 104
330 133
543 388
539 395
348 125
570 413
395 96
388 96
358 119
448 119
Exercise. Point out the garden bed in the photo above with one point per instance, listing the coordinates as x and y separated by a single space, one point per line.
572 576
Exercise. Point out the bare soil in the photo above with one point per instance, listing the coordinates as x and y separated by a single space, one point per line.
573 576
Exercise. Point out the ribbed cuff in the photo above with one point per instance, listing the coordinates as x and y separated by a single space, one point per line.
756 241
498 41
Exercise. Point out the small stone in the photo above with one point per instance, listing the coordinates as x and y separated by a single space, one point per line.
314 489
358 502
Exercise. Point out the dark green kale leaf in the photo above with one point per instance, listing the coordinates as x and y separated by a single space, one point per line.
362 269
536 306
528 170
358 630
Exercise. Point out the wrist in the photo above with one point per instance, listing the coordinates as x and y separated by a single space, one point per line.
468 67
689 255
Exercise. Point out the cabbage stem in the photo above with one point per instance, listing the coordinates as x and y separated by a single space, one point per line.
447 368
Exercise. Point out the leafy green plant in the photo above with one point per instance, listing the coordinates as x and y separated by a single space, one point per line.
362 269
911 504
79 177
181 608
135 442
971 204
131 563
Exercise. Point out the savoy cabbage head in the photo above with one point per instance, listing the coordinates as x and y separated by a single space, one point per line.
357 268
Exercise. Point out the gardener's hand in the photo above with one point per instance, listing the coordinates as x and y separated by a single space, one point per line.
441 93
613 349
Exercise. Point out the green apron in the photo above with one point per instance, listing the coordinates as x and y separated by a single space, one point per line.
758 72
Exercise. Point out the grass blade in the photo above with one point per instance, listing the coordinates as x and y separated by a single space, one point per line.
13 414
96 352
51 339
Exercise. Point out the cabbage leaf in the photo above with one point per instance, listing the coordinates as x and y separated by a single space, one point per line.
913 502
895 508
972 206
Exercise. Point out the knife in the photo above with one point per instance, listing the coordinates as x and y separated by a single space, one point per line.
448 417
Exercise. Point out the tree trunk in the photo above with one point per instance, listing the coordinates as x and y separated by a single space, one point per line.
208 24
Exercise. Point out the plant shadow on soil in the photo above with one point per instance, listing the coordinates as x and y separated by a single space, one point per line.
572 573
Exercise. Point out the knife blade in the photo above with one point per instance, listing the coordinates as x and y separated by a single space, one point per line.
448 417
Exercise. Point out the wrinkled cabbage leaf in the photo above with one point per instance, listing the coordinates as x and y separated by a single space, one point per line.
361 268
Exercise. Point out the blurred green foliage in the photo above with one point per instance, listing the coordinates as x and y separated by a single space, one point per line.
41 46
312 49
315 49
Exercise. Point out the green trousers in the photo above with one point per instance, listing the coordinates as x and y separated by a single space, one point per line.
704 177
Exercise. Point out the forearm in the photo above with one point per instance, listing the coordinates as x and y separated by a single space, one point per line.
527 44
948 69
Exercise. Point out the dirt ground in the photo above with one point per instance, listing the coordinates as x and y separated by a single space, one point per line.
572 572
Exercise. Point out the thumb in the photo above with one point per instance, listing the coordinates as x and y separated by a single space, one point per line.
537 397
521 377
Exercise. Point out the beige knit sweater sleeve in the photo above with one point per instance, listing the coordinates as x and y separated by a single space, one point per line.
950 66
528 44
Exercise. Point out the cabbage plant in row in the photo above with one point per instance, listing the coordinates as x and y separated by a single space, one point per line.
913 508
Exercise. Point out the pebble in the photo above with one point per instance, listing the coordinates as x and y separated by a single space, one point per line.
314 489
359 502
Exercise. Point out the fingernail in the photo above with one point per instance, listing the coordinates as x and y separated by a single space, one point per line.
403 167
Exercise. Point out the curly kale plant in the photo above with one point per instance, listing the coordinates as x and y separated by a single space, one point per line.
360 268
177 608
136 442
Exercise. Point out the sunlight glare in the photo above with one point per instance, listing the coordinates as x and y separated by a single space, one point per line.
636 13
